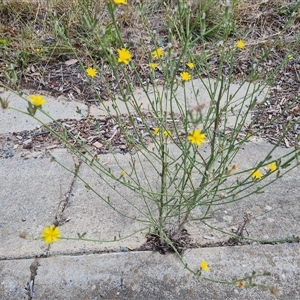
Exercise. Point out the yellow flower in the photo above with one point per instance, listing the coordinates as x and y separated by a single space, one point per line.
272 166
153 66
240 44
256 174
51 234
37 50
185 76
156 131
290 57
167 133
190 65
117 2
158 53
196 137
91 72
37 100
123 173
124 56
203 265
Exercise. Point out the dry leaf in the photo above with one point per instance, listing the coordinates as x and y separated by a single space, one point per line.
98 145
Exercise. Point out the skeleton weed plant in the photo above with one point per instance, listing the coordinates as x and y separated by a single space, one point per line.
182 163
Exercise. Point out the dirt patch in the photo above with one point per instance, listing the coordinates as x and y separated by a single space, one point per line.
96 135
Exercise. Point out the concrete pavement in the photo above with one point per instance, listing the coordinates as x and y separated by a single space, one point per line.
151 276
32 191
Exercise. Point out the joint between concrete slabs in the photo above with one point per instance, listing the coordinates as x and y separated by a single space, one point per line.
148 275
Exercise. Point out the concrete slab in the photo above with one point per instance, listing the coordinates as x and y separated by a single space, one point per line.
88 213
57 108
198 92
36 199
275 212
146 275
29 197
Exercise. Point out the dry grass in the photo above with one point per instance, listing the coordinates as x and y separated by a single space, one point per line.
33 50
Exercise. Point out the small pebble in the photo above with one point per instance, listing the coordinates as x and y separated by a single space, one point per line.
27 144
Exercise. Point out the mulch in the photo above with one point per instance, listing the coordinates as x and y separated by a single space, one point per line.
95 135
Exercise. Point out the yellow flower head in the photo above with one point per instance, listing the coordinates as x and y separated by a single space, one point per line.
190 65
117 2
257 174
185 76
153 66
272 166
240 44
37 50
123 173
124 56
91 72
167 133
203 265
290 57
37 100
51 234
158 53
196 137
156 131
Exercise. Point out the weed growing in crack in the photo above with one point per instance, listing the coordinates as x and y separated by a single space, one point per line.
185 135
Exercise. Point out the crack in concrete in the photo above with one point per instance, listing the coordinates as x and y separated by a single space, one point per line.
59 218
29 294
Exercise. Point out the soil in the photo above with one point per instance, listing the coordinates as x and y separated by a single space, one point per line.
96 135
